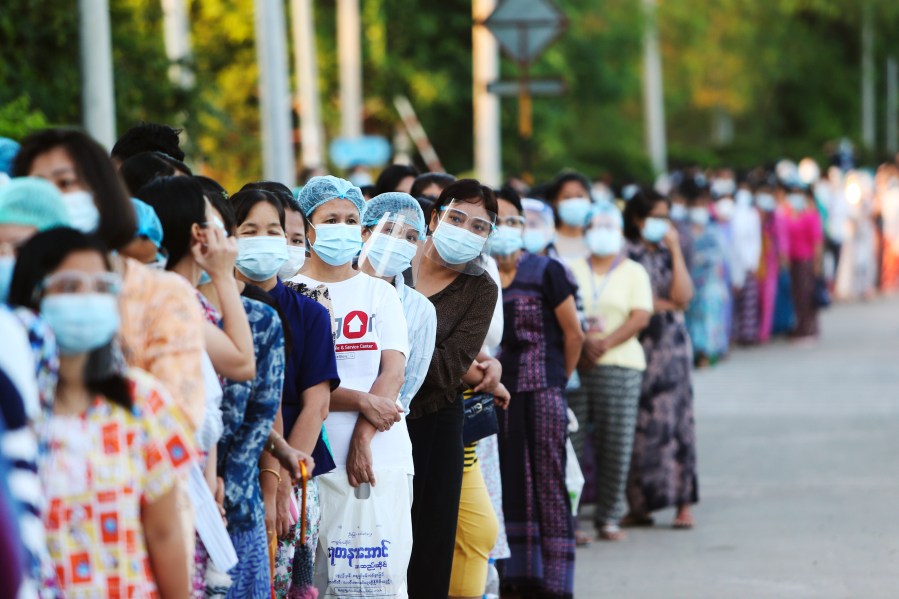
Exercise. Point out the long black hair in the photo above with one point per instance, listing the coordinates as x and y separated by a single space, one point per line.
118 221
38 258
142 168
179 203
638 208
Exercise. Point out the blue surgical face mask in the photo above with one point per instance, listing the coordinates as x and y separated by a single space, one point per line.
654 229
535 240
699 216
505 241
83 213
573 212
603 241
296 258
259 258
205 279
390 256
337 244
797 201
457 245
766 202
7 265
678 212
81 322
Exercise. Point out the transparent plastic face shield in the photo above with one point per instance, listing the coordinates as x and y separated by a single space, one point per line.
539 225
459 240
392 245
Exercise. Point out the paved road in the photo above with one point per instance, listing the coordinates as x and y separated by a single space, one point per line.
799 477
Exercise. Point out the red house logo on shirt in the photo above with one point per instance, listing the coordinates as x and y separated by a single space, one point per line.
355 325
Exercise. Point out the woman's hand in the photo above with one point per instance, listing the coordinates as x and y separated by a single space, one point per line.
359 464
220 497
501 397
672 238
282 510
290 458
594 348
217 255
492 370
381 412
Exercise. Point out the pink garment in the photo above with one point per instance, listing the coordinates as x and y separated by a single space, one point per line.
775 246
805 234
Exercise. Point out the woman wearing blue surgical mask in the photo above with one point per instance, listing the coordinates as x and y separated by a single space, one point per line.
542 341
709 314
116 444
569 195
310 372
366 424
663 469
452 277
617 306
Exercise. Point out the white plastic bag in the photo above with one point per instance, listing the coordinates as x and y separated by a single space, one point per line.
364 544
574 477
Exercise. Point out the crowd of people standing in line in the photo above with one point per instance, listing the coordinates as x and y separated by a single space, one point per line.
376 390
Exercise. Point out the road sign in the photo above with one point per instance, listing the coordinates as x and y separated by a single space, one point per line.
524 28
535 87
371 150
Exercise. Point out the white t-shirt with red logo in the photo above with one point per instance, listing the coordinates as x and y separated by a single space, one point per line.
369 319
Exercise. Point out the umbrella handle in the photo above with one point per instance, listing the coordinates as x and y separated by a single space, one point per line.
303 479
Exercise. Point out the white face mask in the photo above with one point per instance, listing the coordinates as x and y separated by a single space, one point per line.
296 257
83 213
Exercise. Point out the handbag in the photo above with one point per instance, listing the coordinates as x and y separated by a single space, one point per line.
480 417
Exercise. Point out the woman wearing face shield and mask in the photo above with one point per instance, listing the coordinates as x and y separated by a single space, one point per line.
663 465
541 345
393 225
452 276
109 430
617 304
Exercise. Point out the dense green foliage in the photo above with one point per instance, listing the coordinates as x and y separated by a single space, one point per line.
745 80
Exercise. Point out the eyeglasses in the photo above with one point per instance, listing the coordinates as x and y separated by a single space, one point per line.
475 224
74 281
517 222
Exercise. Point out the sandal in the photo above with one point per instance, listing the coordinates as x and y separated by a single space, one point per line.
611 532
582 539
634 520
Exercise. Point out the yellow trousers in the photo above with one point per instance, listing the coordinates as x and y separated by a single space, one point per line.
475 536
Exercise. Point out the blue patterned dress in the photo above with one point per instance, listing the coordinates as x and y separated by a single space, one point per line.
248 412
709 314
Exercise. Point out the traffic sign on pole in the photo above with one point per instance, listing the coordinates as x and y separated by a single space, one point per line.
536 87
524 28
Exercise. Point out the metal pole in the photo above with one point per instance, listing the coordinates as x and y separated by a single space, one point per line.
349 57
485 69
869 133
97 93
274 93
653 99
892 108
525 110
303 27
176 34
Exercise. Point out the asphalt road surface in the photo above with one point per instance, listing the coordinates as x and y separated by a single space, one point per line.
799 477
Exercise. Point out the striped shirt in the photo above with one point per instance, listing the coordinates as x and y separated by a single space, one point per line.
421 321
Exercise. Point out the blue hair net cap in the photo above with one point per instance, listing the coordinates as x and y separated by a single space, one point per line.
8 151
34 202
148 224
326 188
606 209
394 202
